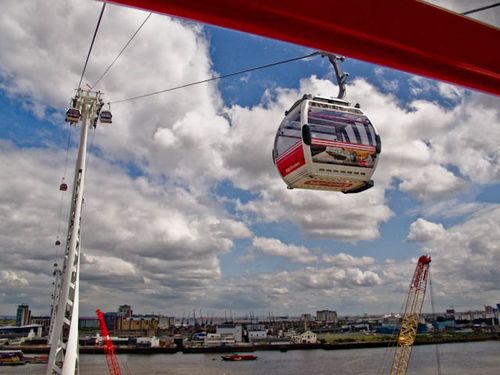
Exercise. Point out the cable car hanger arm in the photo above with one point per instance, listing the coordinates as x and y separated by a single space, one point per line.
341 77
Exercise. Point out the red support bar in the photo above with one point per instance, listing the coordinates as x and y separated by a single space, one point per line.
408 35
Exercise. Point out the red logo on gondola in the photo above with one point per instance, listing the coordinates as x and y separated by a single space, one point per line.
292 160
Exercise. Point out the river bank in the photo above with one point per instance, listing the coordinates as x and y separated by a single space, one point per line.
421 340
457 359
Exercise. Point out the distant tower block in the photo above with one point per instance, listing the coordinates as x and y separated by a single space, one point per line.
23 315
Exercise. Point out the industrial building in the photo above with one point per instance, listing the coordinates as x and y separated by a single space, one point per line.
230 329
327 316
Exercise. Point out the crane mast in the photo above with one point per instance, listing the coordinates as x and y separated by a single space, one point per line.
409 324
109 349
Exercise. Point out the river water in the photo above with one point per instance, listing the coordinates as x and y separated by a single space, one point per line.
481 358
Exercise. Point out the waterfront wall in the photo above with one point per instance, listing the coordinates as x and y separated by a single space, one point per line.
39 349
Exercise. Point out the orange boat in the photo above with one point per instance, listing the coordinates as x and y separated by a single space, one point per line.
239 357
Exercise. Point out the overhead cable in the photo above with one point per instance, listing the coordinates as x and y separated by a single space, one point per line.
479 9
120 53
215 78
91 44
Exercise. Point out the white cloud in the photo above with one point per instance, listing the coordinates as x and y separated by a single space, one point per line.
425 231
133 230
431 182
470 142
388 85
272 246
346 260
451 92
12 279
465 256
452 208
335 277
108 266
420 86
299 291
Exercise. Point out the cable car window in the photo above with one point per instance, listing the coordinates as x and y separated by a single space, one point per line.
289 133
342 127
365 131
341 138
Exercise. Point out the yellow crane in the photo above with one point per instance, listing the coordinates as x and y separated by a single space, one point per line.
411 317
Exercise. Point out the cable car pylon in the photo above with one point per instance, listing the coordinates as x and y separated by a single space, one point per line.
63 357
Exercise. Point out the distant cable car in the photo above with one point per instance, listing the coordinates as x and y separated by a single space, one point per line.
63 186
327 144
73 115
105 117
58 242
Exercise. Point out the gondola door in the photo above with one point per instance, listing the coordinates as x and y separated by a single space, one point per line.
306 137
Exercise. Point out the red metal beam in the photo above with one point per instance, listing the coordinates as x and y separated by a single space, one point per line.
408 35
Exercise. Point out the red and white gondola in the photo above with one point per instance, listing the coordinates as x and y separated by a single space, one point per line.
327 144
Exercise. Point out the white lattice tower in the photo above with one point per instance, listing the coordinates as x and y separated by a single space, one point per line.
55 298
63 357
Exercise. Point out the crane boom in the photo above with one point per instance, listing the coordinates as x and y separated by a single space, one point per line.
109 349
409 324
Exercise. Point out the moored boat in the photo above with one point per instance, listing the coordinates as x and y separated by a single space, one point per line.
248 357
239 357
11 358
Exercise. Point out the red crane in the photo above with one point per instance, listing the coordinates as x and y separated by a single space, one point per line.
409 324
109 349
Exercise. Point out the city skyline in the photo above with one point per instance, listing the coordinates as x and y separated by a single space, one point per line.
183 205
24 315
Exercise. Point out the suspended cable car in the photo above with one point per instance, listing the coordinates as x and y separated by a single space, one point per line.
327 144
73 115
63 186
105 117
58 242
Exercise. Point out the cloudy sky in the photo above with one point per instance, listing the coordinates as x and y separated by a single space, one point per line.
184 208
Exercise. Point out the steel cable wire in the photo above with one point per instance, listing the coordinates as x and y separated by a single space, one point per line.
120 53
215 78
392 343
480 9
438 356
60 215
92 44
